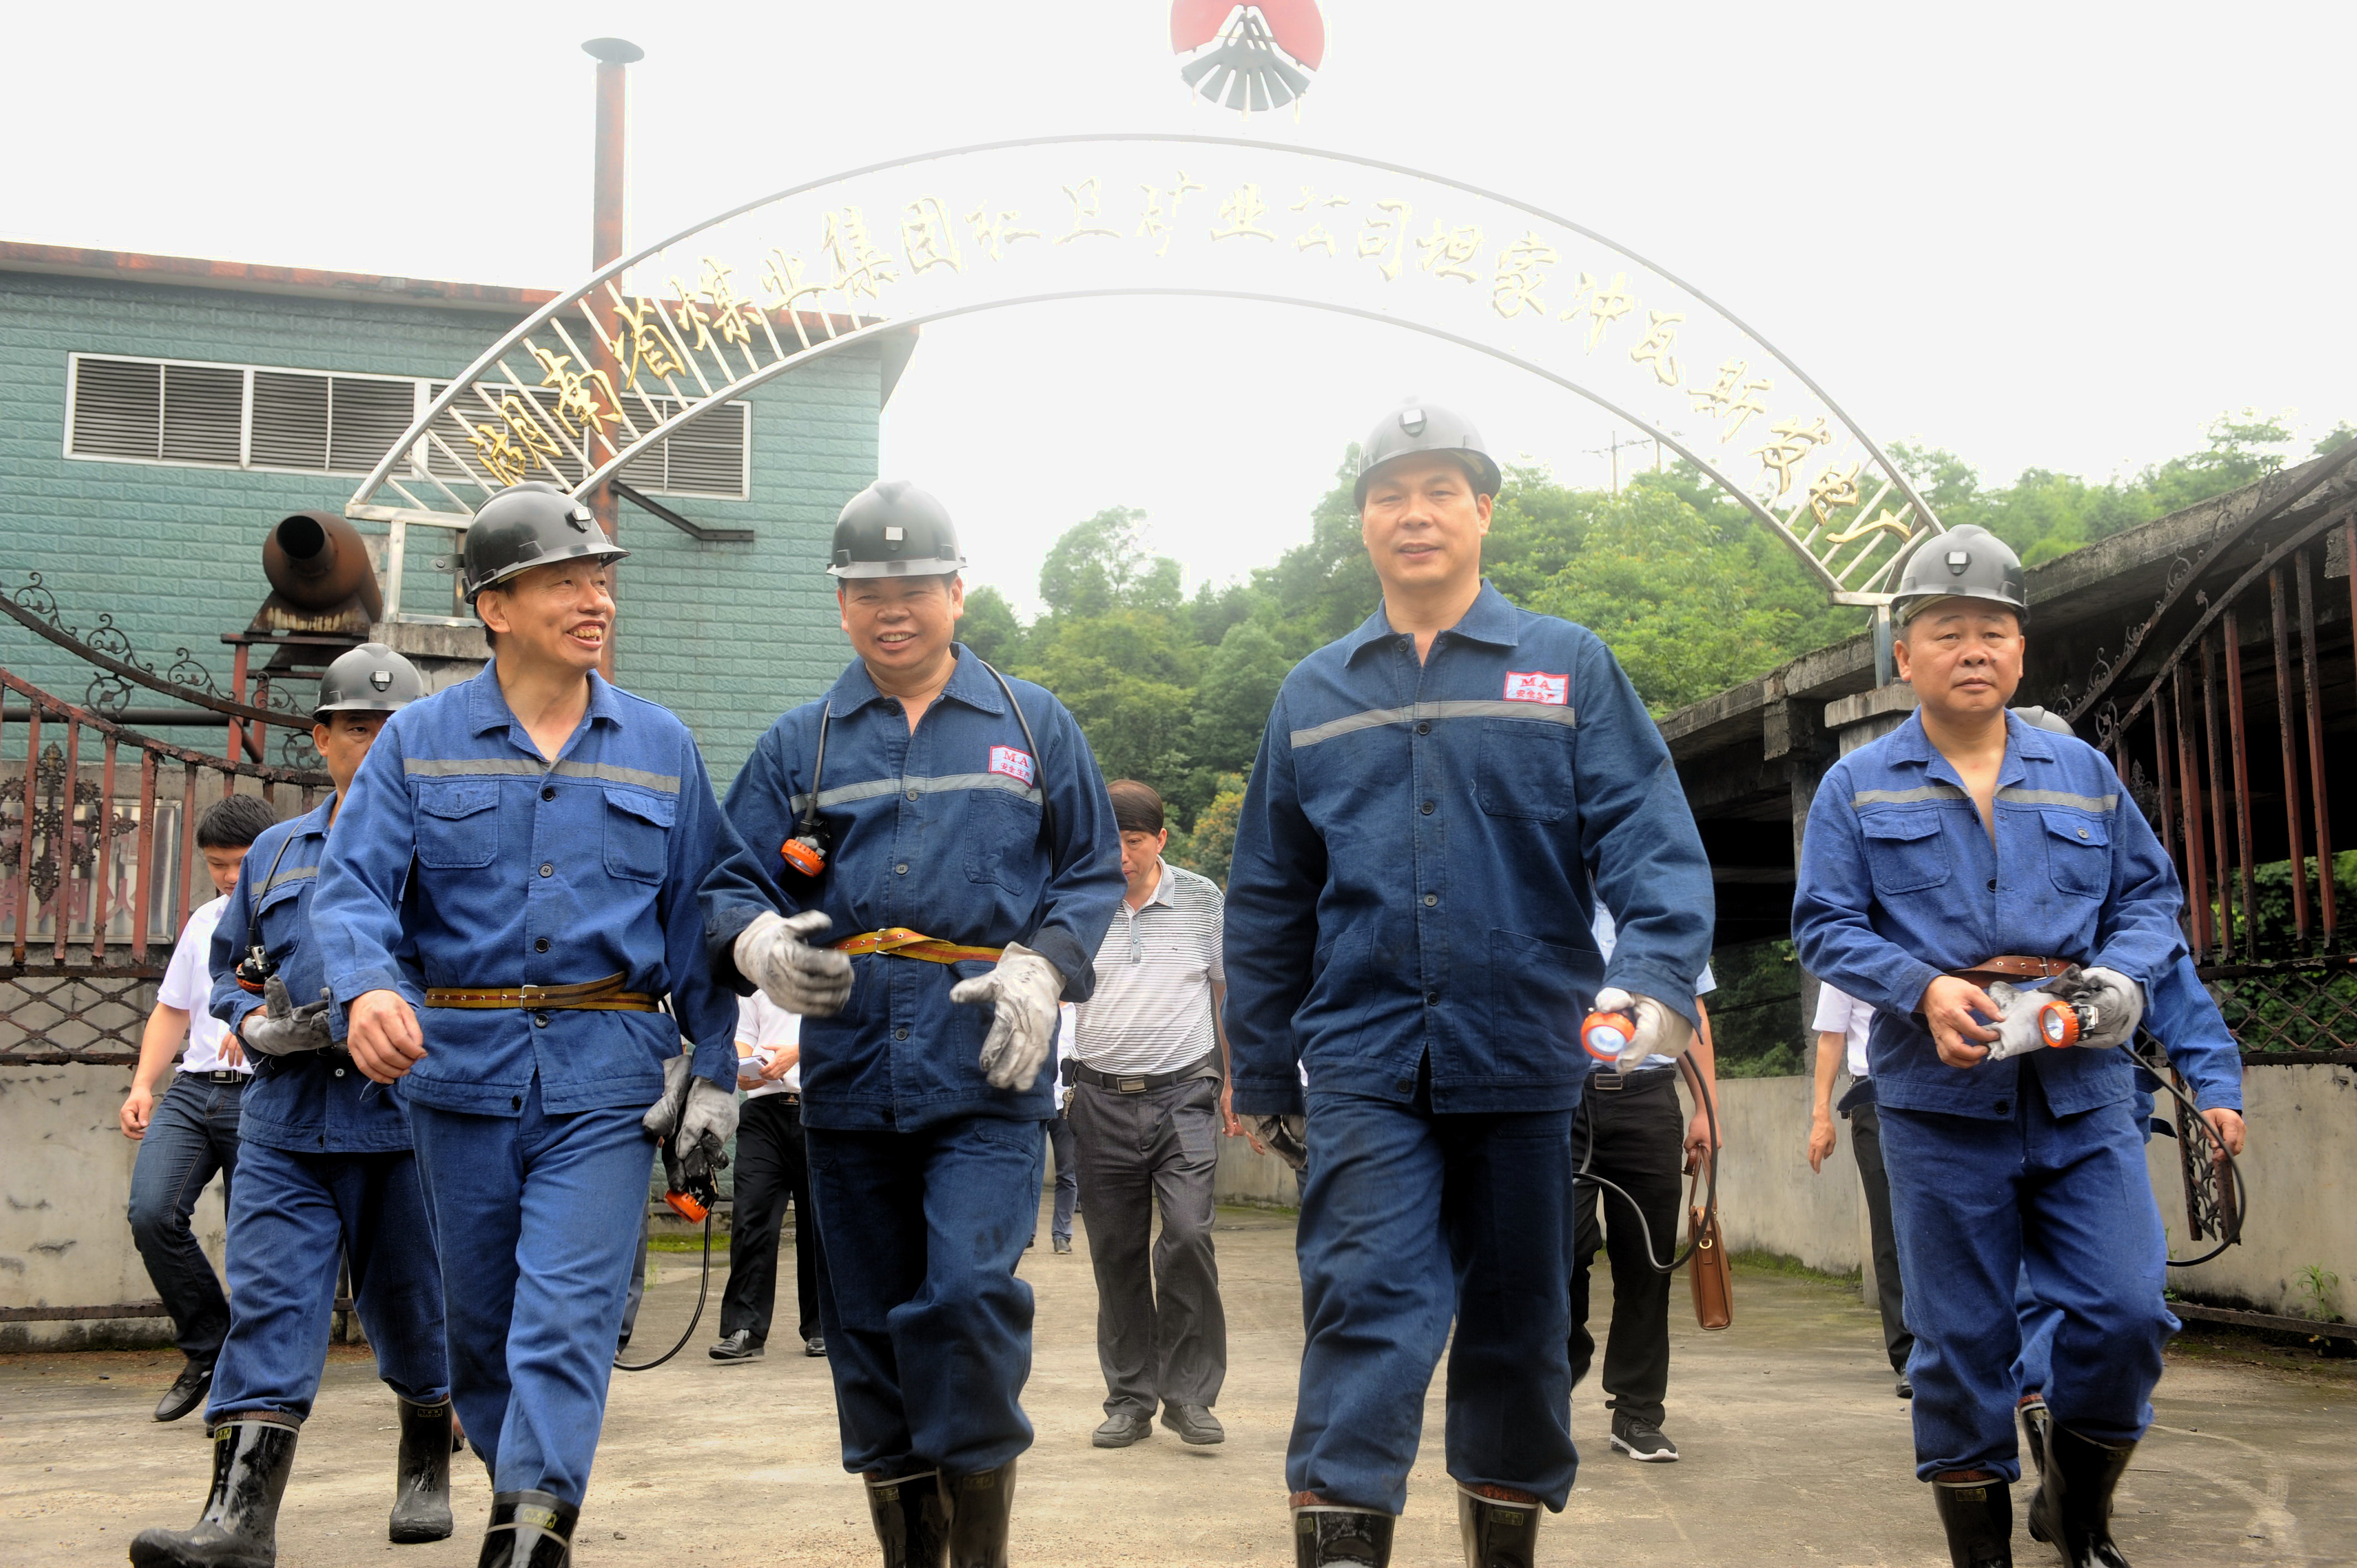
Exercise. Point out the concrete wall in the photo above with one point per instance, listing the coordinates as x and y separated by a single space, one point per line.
2301 1171
64 1241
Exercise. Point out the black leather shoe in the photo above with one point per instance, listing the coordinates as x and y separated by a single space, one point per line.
528 1529
1905 1388
981 1505
738 1346
913 1522
2073 1510
188 1392
1326 1535
1121 1429
239 1528
814 1346
1978 1518
420 1502
1194 1424
1498 1533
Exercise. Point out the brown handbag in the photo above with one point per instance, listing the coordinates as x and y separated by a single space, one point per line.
1707 1268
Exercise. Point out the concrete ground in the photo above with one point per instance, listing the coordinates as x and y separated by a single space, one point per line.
1795 1452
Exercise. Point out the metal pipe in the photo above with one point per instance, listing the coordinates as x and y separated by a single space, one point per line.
24 839
61 844
609 189
2316 779
2226 912
142 875
2197 866
2238 736
2161 767
104 860
2292 828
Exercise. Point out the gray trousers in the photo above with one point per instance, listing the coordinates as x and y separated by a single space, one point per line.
1162 1335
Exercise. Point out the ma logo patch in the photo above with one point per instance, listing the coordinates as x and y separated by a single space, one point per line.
1013 763
1537 686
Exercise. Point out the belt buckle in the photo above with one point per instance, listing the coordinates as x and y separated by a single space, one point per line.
531 994
1610 1082
1130 1085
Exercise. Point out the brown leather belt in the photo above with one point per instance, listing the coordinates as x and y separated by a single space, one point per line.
900 941
2012 966
604 995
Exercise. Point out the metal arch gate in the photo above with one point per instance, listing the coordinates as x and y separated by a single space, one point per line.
596 378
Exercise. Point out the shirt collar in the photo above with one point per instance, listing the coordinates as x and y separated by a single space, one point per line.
1489 618
314 823
2023 742
1162 880
488 710
969 684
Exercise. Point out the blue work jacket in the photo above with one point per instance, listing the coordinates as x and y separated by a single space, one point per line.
1419 857
940 831
464 858
2179 1013
1899 882
314 1102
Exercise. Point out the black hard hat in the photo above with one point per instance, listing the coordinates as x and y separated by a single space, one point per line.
1967 562
370 679
529 525
892 529
1422 428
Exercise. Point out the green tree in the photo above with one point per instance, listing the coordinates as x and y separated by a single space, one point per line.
1233 703
989 627
1102 564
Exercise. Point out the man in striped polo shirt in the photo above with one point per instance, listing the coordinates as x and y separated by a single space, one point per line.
1148 1101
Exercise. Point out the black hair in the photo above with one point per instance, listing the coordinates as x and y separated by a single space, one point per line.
234 822
1136 809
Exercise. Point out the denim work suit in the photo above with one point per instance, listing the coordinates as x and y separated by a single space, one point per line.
1416 871
326 1170
465 859
924 1179
2034 1161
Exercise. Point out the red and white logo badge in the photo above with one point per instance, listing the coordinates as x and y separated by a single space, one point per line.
1016 764
1537 686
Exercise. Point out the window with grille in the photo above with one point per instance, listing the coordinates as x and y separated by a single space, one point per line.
314 421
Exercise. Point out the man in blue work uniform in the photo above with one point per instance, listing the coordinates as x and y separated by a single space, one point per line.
324 1169
1441 800
957 823
1965 848
519 855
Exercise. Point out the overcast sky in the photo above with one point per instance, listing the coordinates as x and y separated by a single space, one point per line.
2062 234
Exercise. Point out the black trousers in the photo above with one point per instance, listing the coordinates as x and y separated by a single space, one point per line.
771 1167
1637 1132
1865 1147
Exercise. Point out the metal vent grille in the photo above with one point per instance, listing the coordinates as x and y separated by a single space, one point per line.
290 420
203 407
118 409
365 417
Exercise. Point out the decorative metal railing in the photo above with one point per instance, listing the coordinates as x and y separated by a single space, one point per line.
98 867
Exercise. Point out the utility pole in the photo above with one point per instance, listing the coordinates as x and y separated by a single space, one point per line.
614 58
1612 448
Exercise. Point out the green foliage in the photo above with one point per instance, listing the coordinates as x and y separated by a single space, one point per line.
989 627
1755 1015
2319 1284
1208 849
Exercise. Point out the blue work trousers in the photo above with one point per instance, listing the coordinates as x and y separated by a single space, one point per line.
538 1219
292 1217
2064 1201
927 1330
1407 1219
191 1134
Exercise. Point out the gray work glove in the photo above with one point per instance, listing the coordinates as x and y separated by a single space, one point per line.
1024 989
664 1115
285 1029
2115 1001
1287 1137
812 981
1661 1030
2017 1033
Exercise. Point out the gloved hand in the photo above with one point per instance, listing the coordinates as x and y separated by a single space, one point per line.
1660 1030
285 1029
1287 1137
664 1115
2116 1001
693 1121
1025 988
810 981
2017 1033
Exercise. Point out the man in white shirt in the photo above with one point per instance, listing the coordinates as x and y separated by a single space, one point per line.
1841 1024
1148 1101
771 1167
191 1132
1629 1132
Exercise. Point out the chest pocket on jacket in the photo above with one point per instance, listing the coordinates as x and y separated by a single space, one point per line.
457 823
1525 770
2078 853
1905 851
638 834
1000 830
280 916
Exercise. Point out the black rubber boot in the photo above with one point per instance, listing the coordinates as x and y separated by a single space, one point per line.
912 1520
239 1528
2034 1421
1328 1535
421 1476
1978 1518
981 1505
1499 1532
528 1529
2072 1510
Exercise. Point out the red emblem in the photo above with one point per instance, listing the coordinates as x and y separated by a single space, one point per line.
1250 57
1014 764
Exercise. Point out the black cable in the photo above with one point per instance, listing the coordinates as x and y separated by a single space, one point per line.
703 1289
1038 763
1710 1205
2162 1073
